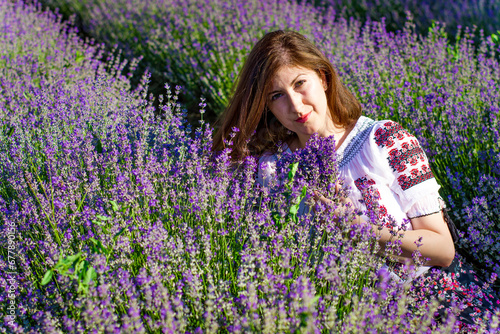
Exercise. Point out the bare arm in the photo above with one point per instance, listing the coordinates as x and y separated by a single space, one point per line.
430 231
436 242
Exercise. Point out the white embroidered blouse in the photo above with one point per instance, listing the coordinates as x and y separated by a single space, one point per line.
380 161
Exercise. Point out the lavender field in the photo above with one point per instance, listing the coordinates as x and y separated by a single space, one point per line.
454 14
116 216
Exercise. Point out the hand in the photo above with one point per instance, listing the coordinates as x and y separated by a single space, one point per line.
344 204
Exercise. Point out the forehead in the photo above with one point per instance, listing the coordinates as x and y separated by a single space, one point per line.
286 74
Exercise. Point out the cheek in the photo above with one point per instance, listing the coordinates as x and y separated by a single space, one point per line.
324 101
281 121
278 113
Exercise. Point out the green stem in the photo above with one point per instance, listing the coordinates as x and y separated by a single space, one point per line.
56 233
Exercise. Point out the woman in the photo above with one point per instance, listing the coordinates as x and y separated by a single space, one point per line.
288 91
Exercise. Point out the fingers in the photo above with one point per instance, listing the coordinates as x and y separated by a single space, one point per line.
318 197
337 187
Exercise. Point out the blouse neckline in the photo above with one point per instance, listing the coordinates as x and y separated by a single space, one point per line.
362 124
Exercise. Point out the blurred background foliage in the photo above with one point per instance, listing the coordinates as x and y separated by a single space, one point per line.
454 14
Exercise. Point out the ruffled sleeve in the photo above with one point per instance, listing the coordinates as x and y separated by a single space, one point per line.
411 178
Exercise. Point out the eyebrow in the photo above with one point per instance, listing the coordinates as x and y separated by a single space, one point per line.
293 81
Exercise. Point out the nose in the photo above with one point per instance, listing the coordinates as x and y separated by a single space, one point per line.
296 102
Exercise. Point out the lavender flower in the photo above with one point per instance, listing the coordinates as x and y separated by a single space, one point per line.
182 240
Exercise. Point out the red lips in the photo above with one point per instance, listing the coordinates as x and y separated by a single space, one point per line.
304 118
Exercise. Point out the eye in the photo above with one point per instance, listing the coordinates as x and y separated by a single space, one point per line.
299 83
275 96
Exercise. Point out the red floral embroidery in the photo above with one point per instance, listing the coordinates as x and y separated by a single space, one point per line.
410 153
416 176
362 183
382 212
385 135
371 196
405 153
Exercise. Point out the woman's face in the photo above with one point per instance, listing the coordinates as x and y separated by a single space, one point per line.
297 99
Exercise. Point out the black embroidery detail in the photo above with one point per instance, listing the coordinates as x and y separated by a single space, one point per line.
382 212
385 135
427 214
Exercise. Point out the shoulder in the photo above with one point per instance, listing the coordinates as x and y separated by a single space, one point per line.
402 154
387 133
407 162
396 145
375 139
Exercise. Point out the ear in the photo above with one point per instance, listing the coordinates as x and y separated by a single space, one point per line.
322 76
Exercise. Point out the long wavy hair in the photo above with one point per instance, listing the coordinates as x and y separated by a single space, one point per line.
247 122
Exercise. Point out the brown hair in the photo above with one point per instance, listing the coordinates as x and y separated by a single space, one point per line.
257 129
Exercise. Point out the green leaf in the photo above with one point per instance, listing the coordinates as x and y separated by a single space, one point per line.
27 95
82 288
81 202
82 270
42 57
64 264
97 222
79 266
115 206
9 132
303 318
90 275
293 170
73 258
47 277
294 209
103 217
276 216
98 246
61 267
79 56
303 193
